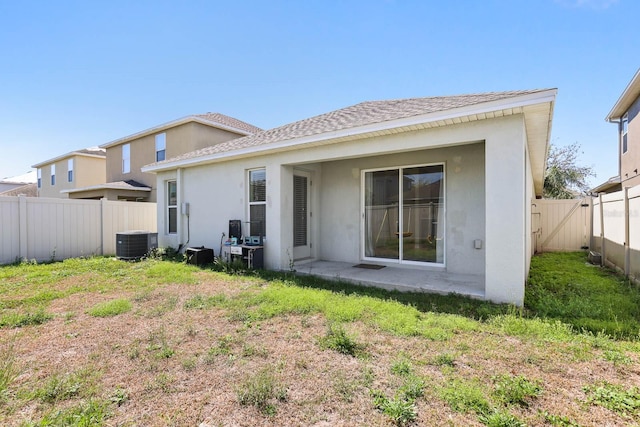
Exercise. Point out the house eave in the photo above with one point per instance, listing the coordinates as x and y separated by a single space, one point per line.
629 95
67 156
105 187
494 109
163 127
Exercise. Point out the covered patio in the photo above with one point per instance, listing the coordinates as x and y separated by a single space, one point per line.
396 278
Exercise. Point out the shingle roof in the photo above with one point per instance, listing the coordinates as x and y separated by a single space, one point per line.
362 114
229 121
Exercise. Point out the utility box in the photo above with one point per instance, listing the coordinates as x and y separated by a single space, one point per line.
199 256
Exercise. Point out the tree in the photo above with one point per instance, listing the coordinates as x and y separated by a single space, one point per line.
564 179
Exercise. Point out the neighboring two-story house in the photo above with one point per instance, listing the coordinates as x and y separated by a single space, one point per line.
62 174
126 156
625 114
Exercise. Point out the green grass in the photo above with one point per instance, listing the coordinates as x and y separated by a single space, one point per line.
625 402
563 286
261 390
110 308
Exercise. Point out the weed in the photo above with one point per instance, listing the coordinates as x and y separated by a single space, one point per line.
58 388
344 387
189 364
163 382
617 357
515 390
200 302
18 320
558 420
158 342
260 390
401 367
614 398
110 308
91 413
501 419
339 340
465 396
9 369
400 410
412 388
119 396
444 359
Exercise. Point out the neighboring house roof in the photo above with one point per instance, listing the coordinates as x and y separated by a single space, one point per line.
629 95
29 190
129 185
612 184
26 178
375 118
216 120
96 152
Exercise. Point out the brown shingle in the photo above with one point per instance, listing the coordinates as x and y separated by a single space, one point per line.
229 121
362 114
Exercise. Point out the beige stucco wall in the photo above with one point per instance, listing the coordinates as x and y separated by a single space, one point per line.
179 140
87 171
630 161
497 216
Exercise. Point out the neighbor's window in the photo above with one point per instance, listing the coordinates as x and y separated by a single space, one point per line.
625 126
126 158
161 147
257 202
70 170
172 207
39 178
53 174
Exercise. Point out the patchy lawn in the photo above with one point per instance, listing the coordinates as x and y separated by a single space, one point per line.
156 343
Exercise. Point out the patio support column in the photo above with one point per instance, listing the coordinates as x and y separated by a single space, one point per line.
505 204
279 216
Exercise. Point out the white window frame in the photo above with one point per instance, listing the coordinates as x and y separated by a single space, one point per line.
161 146
625 129
257 203
400 259
53 175
171 207
70 170
126 158
39 178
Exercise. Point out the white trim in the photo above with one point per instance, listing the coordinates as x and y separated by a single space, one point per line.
547 96
163 127
167 206
400 260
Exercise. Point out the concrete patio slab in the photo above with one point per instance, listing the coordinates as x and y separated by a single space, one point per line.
404 279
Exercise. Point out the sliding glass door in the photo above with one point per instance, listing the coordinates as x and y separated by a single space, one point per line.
404 214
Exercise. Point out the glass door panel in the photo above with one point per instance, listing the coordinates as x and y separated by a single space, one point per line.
422 214
381 214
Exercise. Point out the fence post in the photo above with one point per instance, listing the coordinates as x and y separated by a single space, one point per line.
627 248
103 215
602 255
22 230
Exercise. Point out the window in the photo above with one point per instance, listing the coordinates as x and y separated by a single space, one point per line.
53 174
126 158
70 170
404 214
39 178
625 126
172 207
161 147
257 202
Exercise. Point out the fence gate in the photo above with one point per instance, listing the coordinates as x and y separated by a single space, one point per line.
561 225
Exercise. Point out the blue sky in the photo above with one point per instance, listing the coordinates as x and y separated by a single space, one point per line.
75 74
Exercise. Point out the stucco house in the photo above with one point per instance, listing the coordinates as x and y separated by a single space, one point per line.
125 156
80 168
438 187
624 115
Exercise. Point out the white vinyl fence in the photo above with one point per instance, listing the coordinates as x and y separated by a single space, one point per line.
561 225
45 229
616 230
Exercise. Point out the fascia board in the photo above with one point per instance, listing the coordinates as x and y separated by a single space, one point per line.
516 102
630 93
